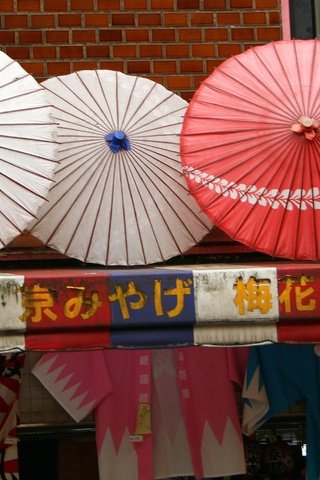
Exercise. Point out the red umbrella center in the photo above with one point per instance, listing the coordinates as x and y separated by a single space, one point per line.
306 126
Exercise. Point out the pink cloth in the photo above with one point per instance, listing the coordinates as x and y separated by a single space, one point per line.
159 413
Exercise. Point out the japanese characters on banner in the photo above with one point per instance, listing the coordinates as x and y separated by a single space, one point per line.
210 304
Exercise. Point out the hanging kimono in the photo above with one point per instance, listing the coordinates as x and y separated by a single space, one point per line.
278 376
11 365
159 413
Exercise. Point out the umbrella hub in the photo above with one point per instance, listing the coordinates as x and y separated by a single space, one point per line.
117 141
307 126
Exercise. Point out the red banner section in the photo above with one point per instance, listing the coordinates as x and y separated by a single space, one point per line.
299 291
63 308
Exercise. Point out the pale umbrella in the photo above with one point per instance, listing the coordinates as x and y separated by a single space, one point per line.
119 196
27 148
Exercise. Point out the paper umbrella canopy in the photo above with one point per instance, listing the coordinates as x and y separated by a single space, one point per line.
27 148
119 196
250 147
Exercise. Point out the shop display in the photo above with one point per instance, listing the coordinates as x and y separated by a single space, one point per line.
158 412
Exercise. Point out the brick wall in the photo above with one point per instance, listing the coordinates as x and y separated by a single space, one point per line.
174 42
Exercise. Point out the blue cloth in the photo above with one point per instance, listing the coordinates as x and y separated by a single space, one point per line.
277 377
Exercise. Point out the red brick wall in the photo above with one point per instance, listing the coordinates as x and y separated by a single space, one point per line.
175 42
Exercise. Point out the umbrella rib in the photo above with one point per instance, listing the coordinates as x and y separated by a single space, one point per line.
159 148
11 223
104 120
151 147
15 80
111 122
283 91
33 155
134 210
24 187
58 183
248 149
156 119
235 120
16 124
85 162
25 94
80 138
284 210
25 139
154 138
299 76
249 102
275 175
169 114
27 109
314 110
299 216
80 141
115 164
82 131
156 128
6 194
313 62
233 108
85 126
145 150
139 106
130 166
313 199
95 224
159 211
122 126
56 228
233 142
68 102
157 162
69 156
288 80
25 169
243 130
99 166
230 208
294 111
117 101
173 190
7 65
63 120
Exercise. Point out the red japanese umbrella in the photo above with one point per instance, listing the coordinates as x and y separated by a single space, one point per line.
250 148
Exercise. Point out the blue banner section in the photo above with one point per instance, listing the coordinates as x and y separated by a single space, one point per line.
152 338
151 297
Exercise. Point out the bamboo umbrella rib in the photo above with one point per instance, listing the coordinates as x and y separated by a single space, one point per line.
263 156
173 189
94 184
278 111
68 209
69 103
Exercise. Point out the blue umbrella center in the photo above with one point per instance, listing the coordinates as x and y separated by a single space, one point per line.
117 141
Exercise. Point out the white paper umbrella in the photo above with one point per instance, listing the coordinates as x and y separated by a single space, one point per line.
27 148
119 196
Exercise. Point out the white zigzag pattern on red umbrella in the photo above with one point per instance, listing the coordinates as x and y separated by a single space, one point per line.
274 198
